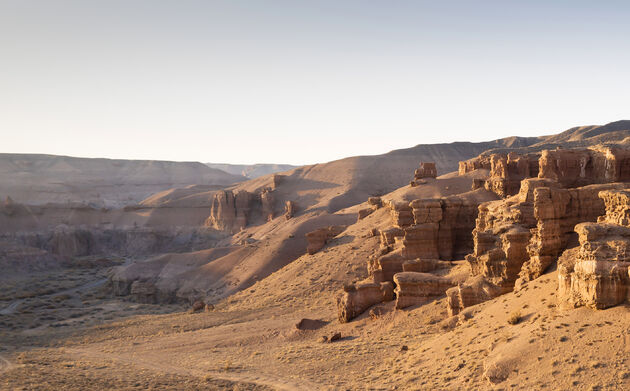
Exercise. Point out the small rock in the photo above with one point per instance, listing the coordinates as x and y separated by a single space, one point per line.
323 339
335 337
404 348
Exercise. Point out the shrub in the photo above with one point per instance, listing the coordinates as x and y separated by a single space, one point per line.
514 317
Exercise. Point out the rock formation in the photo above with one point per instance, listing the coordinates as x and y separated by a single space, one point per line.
507 172
363 213
596 274
426 170
356 298
289 209
317 239
267 201
416 288
231 212
480 162
518 238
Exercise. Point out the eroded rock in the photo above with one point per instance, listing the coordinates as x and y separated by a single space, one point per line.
416 288
359 297
317 239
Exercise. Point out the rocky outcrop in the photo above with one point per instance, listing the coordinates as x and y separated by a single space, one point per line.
617 203
401 213
223 211
267 201
426 170
473 291
416 288
432 228
71 242
231 212
507 172
388 238
580 167
476 163
422 265
290 209
517 239
317 239
357 298
375 202
382 269
596 274
363 213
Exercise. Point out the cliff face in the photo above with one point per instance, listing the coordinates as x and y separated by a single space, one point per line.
232 211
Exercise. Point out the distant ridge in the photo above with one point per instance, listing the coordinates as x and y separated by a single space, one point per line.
251 171
36 179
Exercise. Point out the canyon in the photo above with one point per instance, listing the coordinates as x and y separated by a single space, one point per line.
444 266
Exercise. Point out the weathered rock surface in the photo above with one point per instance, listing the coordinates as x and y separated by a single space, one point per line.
231 212
357 298
416 288
267 200
507 172
426 170
317 239
580 167
596 273
290 209
517 239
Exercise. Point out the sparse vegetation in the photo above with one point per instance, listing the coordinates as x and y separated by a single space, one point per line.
514 318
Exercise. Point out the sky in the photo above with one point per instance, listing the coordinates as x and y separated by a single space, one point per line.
301 82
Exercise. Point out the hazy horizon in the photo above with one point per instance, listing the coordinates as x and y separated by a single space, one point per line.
300 83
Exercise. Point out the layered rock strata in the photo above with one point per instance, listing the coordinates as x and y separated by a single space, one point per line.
232 211
414 288
517 239
596 274
426 170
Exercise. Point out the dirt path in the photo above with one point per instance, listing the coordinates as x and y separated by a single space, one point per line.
266 379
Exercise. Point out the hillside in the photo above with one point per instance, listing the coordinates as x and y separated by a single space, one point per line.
39 179
509 274
251 171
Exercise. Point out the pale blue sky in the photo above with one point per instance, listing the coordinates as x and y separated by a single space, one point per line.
302 81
